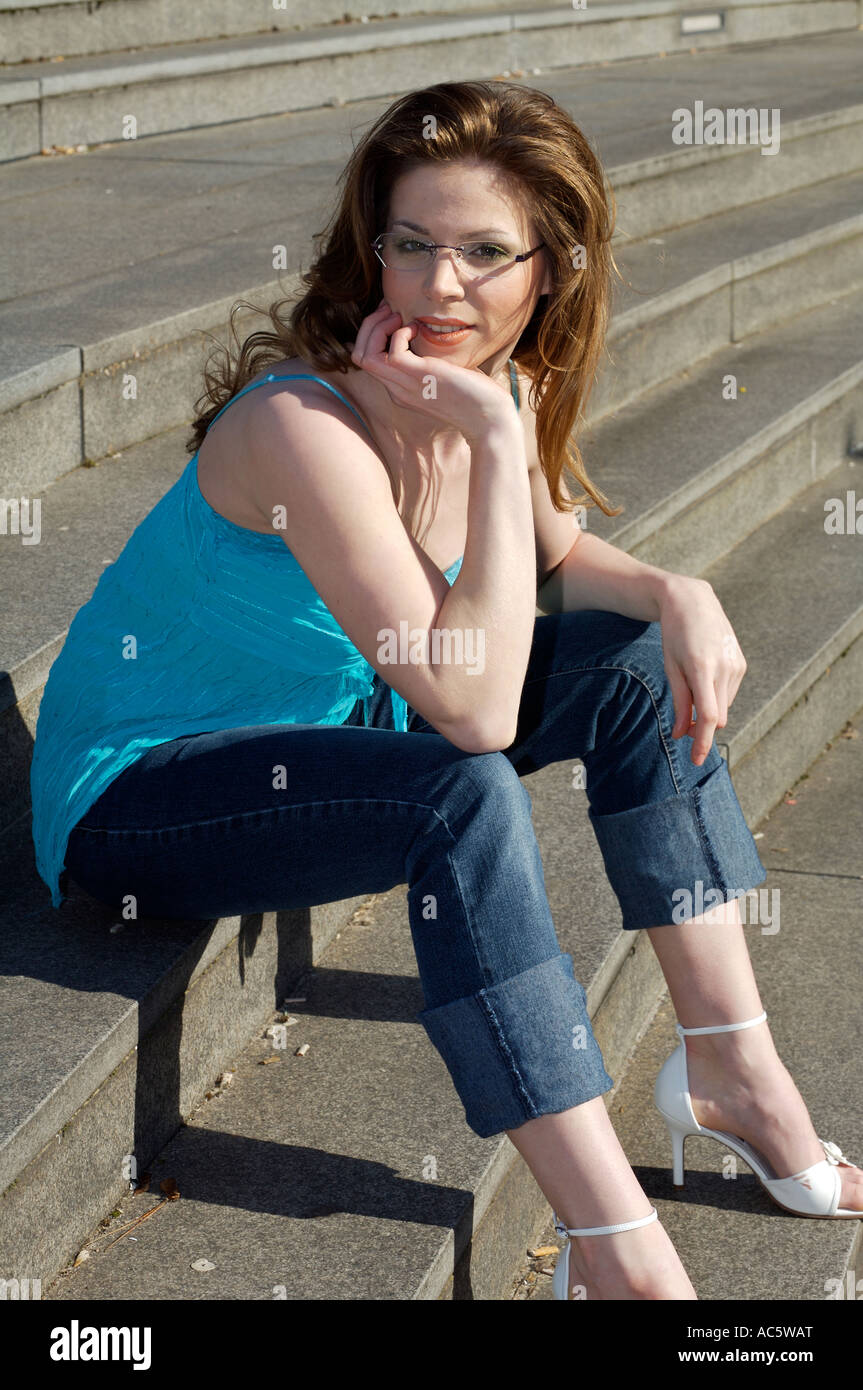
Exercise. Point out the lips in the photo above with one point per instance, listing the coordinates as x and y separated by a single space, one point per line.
445 323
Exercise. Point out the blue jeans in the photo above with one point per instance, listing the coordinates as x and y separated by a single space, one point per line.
197 828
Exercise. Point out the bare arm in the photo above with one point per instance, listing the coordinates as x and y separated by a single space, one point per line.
309 456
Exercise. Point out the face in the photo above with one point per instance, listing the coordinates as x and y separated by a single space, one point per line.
449 204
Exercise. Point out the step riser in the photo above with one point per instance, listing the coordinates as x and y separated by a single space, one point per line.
688 539
304 935
725 307
85 420
794 742
68 1180
675 189
78 30
65 109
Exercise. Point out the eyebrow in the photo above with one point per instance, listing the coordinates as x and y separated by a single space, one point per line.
483 231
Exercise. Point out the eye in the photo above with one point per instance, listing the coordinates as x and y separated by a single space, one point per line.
485 251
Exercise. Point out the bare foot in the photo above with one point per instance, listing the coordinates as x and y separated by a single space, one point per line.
739 1084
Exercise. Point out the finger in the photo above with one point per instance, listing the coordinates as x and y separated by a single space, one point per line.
396 368
373 334
400 346
705 724
367 329
379 345
720 693
682 697
735 680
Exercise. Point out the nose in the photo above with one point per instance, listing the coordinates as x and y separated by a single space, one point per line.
443 274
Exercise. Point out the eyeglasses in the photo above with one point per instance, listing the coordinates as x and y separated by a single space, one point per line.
405 252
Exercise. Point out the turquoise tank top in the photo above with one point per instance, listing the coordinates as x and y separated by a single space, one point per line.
199 624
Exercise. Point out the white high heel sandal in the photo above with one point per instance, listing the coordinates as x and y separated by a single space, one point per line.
814 1191
560 1278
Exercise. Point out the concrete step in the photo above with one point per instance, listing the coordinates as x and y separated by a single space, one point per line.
76 29
171 85
139 280
794 594
697 288
810 977
733 439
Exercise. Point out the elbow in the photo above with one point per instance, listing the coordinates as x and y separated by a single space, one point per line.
486 737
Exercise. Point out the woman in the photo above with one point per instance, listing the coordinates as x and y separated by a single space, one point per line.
224 731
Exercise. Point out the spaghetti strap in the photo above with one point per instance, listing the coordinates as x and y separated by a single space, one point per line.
513 382
291 376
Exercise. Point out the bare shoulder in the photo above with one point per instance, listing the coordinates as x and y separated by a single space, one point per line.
229 458
307 382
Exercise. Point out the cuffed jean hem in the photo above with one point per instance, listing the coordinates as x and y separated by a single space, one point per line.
663 859
520 1049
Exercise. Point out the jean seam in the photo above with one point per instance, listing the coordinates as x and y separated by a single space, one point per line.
515 1075
706 842
637 675
482 967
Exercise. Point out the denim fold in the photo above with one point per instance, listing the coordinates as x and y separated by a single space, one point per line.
520 1049
656 855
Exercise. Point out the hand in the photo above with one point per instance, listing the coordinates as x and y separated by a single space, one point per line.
465 397
703 660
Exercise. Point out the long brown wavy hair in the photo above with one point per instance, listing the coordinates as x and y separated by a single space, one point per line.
526 134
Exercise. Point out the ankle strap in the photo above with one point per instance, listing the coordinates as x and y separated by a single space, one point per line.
724 1027
605 1230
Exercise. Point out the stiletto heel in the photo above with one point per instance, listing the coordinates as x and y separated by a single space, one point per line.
678 1140
560 1278
814 1191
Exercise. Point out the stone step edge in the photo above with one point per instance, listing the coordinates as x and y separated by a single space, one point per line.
81 366
22 1146
732 272
626 974
124 68
771 437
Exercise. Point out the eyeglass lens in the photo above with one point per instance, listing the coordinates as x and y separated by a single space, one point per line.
403 252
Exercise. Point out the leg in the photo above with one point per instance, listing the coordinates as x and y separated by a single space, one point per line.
211 825
595 688
738 1082
580 1166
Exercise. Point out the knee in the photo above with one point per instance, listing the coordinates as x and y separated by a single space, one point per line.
643 657
636 708
640 666
487 781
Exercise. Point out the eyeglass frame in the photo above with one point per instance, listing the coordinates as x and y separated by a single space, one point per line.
442 246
